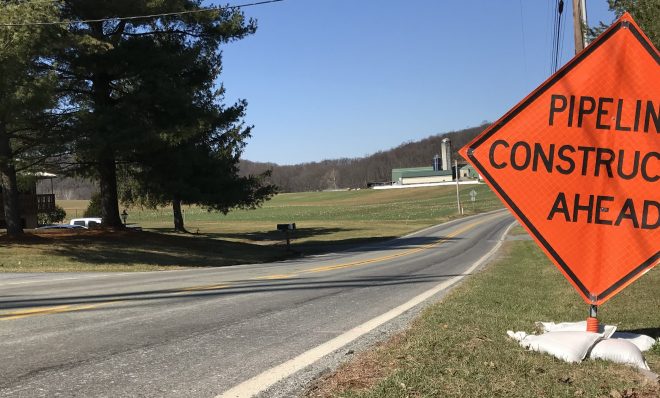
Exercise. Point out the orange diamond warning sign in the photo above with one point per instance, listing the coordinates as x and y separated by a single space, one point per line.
578 162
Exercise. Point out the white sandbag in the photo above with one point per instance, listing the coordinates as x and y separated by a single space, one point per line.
619 351
567 346
517 336
642 341
605 331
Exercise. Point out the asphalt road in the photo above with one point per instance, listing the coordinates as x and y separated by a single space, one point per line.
199 333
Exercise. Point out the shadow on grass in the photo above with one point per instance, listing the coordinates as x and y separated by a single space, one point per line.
275 235
236 288
653 332
91 248
162 249
193 251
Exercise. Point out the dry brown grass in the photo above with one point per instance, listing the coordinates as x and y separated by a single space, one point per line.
361 373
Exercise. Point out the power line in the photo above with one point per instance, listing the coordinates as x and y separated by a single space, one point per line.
549 28
557 35
522 31
166 14
562 23
554 37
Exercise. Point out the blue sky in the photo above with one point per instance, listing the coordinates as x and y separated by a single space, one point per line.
326 79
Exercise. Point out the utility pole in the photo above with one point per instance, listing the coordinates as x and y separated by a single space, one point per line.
580 24
458 197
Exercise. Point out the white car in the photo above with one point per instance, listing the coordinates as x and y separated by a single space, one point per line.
87 222
95 222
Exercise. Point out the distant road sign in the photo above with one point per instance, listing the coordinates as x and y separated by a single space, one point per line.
473 195
577 162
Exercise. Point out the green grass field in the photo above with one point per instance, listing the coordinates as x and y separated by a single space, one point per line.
325 220
405 205
459 347
322 217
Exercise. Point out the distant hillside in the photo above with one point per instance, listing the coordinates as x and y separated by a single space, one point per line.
357 172
327 174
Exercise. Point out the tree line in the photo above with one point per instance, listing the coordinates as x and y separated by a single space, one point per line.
132 103
324 175
359 172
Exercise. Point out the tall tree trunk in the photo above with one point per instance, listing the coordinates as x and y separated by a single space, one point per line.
109 200
106 161
10 199
178 215
9 187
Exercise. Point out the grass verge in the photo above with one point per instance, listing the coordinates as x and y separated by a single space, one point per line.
326 221
459 347
122 251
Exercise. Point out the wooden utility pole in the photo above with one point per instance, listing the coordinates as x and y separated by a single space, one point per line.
580 24
458 197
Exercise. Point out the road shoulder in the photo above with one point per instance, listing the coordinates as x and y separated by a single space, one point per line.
306 380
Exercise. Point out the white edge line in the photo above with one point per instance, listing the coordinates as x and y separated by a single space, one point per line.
271 376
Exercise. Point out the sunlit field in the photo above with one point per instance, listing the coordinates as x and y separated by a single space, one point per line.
332 215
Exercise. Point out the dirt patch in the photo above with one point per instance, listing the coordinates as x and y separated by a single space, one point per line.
361 373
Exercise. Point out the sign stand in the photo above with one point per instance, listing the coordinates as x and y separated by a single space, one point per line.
592 320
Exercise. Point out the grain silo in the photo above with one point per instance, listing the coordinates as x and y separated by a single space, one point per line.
436 163
445 153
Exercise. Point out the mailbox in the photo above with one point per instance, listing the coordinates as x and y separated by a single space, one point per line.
286 227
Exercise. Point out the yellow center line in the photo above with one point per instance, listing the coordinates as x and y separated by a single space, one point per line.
72 308
201 288
277 276
402 254
50 310
327 268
